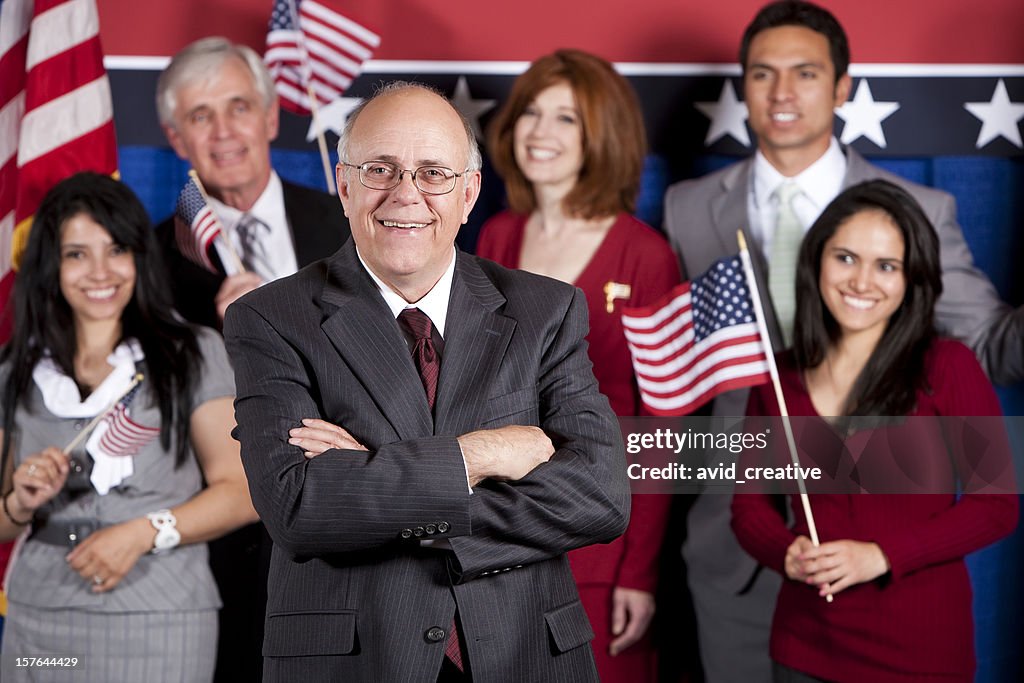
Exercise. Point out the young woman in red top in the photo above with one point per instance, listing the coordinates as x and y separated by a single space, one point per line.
865 344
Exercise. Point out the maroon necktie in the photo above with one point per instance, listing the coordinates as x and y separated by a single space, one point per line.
428 363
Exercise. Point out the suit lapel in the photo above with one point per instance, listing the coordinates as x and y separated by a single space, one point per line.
476 339
368 339
309 226
857 169
729 207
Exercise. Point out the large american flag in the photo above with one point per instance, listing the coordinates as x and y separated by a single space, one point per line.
56 116
308 43
195 226
698 341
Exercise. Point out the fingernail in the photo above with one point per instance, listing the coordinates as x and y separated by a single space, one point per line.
306 421
293 441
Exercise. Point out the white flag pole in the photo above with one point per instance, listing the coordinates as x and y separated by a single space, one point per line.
773 371
96 420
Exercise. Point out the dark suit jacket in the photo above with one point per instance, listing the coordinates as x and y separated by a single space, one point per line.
318 226
353 595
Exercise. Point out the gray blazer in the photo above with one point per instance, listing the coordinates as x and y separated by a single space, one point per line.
701 219
353 595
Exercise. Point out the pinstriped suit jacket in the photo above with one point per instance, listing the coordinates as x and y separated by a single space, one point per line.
350 598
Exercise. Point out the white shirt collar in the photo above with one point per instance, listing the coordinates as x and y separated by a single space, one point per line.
820 182
268 207
434 303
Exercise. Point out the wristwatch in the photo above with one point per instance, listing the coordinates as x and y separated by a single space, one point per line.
166 525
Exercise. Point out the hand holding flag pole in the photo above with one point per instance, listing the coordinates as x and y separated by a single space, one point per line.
773 370
103 415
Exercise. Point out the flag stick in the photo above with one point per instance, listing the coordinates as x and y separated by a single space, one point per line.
96 420
321 142
224 238
314 108
773 371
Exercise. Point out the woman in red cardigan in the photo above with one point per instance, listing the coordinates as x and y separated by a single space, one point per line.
569 143
867 278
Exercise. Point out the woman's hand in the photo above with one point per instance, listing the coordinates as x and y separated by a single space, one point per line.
38 479
632 611
836 565
107 555
316 436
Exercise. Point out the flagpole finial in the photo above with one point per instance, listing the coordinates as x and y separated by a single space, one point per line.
742 240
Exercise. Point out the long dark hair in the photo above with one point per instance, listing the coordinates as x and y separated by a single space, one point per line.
895 371
44 323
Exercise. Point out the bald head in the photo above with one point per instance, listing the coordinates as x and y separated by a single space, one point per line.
408 92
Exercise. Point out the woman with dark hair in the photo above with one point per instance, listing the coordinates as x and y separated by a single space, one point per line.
868 277
114 569
569 143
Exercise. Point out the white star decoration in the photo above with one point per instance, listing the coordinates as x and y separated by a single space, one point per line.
332 117
470 108
998 117
728 116
864 116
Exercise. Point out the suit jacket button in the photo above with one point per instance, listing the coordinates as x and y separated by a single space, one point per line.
431 529
443 527
418 531
406 533
435 634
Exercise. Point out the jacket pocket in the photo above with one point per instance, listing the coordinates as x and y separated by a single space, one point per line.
303 634
501 408
569 626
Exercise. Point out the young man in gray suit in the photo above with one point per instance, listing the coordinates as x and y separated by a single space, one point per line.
457 446
795 57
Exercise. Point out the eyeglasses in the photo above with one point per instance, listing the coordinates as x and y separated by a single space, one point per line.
384 175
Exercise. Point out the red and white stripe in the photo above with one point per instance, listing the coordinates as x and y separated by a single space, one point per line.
124 436
676 374
56 116
327 52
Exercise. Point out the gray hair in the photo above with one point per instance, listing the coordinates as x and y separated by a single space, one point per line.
200 60
475 161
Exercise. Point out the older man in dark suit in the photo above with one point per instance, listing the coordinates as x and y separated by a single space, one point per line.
218 108
795 57
458 445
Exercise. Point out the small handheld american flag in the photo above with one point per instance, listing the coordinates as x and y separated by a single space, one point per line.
195 226
124 436
312 48
698 341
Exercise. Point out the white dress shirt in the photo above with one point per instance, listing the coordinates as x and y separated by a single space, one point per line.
278 246
819 184
434 305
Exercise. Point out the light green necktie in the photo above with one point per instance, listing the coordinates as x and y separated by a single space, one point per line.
782 264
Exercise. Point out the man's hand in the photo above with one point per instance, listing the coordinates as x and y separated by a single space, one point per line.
233 287
316 436
508 453
632 611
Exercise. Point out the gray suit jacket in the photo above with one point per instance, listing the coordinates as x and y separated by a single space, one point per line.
353 595
701 219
